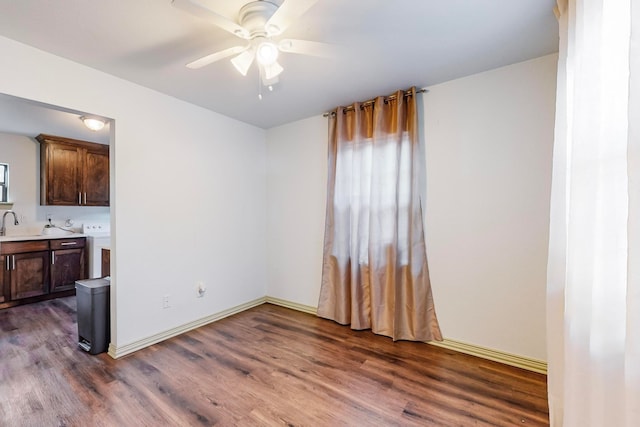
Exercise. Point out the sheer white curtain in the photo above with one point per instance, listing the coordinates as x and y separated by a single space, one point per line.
593 304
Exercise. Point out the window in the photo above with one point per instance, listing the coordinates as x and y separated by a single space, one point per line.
386 168
4 182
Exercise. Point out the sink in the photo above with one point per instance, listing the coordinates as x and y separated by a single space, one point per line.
54 231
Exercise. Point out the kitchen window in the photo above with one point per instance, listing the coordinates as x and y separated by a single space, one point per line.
4 183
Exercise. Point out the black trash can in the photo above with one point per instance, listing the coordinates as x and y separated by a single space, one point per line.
92 297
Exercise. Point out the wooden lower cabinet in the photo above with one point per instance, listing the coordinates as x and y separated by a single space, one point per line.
68 263
40 269
4 291
29 274
106 263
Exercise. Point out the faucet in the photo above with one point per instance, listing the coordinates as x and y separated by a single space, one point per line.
3 229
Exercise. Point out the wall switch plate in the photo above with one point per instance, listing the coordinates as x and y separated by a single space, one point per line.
165 301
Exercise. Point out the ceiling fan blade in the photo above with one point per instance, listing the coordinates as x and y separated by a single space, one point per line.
286 15
209 59
306 47
205 9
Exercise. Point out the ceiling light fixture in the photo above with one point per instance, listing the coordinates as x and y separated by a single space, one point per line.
271 71
267 53
257 23
93 123
243 61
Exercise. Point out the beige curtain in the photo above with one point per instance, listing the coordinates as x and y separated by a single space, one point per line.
375 273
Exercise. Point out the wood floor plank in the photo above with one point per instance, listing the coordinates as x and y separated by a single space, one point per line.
267 366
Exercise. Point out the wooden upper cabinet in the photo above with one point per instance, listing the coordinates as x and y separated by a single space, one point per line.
96 178
60 178
73 172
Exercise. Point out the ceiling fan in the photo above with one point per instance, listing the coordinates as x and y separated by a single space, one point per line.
259 23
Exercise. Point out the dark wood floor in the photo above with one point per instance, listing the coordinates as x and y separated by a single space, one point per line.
266 366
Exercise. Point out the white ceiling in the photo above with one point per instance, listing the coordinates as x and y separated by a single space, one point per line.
23 117
382 46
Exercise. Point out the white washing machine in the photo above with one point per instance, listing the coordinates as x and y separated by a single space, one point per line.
98 237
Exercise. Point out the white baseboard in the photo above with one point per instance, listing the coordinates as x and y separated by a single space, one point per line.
496 355
123 350
292 305
471 349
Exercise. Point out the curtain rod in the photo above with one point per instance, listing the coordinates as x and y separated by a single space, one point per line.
350 108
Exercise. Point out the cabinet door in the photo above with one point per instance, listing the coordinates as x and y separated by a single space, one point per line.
106 263
73 172
96 178
4 270
67 266
63 166
29 273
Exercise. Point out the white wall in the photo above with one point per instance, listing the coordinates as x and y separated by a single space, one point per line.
489 156
188 193
489 141
23 156
296 188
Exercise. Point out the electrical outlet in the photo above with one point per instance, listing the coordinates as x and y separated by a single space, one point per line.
48 217
200 289
165 301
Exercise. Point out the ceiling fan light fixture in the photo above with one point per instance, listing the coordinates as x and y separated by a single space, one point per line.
267 53
93 123
243 61
272 71
269 83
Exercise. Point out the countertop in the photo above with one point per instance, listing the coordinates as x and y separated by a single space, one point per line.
40 237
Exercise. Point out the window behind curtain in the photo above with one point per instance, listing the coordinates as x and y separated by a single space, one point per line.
353 192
